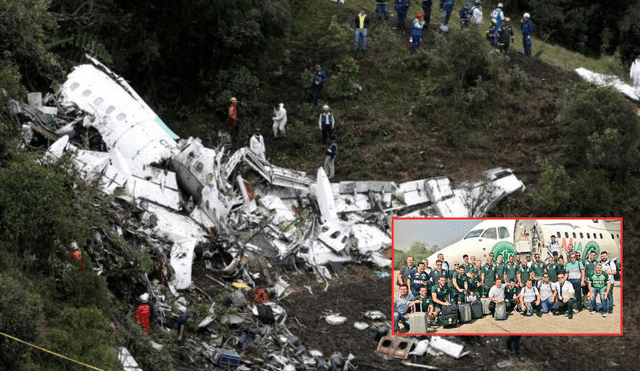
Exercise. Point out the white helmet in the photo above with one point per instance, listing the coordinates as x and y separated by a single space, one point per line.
325 107
144 297
526 15
500 5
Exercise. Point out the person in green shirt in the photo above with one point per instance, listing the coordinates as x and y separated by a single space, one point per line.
441 293
438 272
552 269
523 273
405 271
511 295
460 284
501 268
575 275
511 270
538 269
589 268
468 266
474 283
426 302
488 274
598 283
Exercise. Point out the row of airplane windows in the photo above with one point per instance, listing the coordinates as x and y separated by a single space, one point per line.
574 235
98 101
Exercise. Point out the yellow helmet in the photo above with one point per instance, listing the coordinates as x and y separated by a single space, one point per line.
233 99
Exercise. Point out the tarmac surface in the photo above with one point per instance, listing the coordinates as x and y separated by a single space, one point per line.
581 323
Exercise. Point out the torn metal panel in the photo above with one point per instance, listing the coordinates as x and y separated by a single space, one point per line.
232 162
123 119
57 149
127 361
174 226
319 254
247 195
379 260
370 238
335 235
438 189
181 261
413 193
599 79
282 212
447 347
451 207
289 178
347 203
324 196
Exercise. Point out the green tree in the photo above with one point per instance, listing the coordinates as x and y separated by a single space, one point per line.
602 132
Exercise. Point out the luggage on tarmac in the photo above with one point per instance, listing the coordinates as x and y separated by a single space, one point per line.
501 314
465 313
476 310
449 315
418 322
485 305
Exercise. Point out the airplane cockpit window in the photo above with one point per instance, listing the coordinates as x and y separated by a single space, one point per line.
574 234
558 235
489 233
588 236
503 232
613 238
473 234
581 235
601 236
566 234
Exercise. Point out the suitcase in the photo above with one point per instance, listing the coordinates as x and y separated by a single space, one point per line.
476 310
418 322
465 313
501 313
449 315
485 305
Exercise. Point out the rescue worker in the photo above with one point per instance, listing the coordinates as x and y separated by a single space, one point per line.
182 325
416 33
361 22
426 8
498 15
634 72
317 83
256 144
402 8
329 161
476 14
382 9
446 7
143 313
76 255
527 30
505 36
326 123
492 33
279 121
465 15
233 114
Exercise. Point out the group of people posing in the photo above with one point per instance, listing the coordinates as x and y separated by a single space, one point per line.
529 287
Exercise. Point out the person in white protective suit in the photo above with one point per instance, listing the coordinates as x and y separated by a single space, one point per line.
279 121
256 144
635 73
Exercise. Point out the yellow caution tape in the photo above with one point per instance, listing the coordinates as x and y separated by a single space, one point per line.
240 285
50 352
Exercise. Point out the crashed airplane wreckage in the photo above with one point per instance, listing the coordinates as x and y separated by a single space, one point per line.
190 192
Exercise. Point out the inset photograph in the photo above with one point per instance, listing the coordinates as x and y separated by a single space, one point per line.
542 276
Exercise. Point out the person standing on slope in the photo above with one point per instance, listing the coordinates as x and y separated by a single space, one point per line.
527 30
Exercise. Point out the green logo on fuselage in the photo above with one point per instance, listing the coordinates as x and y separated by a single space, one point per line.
505 248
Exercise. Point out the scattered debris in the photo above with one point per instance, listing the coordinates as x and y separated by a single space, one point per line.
599 79
505 363
243 215
447 347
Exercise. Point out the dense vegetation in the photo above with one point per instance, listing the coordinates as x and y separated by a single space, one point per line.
187 58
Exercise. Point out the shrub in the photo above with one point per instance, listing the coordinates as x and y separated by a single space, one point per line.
343 84
337 37
602 132
21 316
83 334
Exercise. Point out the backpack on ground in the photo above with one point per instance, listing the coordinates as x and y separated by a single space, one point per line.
500 313
449 316
465 313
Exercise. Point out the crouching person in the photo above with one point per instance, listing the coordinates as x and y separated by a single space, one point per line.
547 291
530 301
401 304
427 304
511 295
496 295
565 296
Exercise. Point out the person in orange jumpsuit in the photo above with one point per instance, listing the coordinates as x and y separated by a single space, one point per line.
77 255
233 114
143 313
